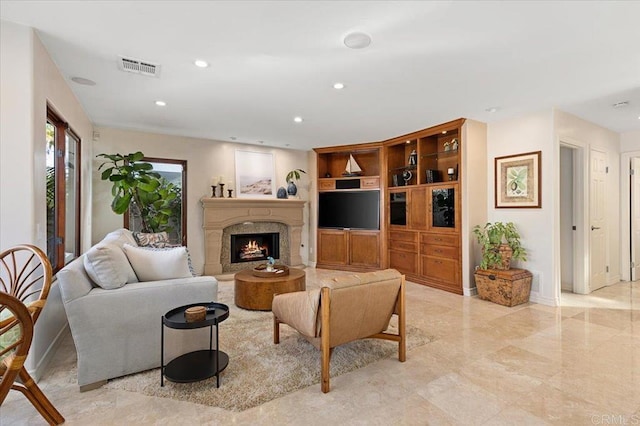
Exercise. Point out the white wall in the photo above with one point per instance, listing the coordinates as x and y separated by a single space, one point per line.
630 141
16 135
30 79
570 127
205 158
531 132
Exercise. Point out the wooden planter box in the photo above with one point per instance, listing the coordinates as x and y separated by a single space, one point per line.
509 287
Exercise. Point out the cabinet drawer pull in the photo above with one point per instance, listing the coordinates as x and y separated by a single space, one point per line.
438 251
438 239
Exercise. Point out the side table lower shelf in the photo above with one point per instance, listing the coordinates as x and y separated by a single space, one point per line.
195 366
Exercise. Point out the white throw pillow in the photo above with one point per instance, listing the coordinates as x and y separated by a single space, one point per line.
158 264
108 267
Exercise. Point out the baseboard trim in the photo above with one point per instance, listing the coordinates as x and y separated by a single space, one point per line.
473 291
536 298
614 280
44 362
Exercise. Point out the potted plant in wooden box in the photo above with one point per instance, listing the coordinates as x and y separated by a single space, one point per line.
495 280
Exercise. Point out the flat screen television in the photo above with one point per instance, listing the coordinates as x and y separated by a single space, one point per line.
349 209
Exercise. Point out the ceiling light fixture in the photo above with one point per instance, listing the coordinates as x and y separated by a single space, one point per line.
338 86
200 63
620 104
161 103
492 109
297 119
233 138
357 40
444 132
83 81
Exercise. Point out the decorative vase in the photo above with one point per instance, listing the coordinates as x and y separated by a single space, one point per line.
282 193
292 189
505 253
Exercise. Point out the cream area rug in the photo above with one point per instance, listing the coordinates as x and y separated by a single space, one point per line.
259 370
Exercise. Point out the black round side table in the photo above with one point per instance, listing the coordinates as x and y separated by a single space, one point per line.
196 365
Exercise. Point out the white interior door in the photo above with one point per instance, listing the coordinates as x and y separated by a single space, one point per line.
635 219
597 209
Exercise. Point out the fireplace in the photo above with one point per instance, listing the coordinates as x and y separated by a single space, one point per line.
224 217
254 247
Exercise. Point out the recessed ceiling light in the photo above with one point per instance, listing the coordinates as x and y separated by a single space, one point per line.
408 142
357 40
444 132
83 81
161 103
338 86
200 63
297 119
492 109
621 104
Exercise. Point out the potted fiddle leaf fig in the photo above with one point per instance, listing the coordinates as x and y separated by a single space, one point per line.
135 185
293 175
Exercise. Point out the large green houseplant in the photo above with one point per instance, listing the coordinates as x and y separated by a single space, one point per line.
500 244
135 184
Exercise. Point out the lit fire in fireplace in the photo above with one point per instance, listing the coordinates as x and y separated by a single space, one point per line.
253 250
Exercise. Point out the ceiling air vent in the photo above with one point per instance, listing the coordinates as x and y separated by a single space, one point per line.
137 66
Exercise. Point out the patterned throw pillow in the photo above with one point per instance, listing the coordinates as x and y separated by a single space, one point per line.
157 239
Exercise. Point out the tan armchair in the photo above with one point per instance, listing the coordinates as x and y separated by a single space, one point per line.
345 308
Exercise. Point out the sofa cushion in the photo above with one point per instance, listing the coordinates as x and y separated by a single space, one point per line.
155 264
157 239
108 267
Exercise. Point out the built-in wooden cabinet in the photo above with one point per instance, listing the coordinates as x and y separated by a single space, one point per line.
423 205
347 242
420 178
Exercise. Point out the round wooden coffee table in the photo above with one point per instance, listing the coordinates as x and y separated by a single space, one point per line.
256 293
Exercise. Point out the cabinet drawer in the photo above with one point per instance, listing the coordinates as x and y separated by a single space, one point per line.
403 236
403 262
439 251
370 182
403 245
440 269
439 239
327 184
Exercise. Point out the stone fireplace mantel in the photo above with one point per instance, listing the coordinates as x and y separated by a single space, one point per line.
220 213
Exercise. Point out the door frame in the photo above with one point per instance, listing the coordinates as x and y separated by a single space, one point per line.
625 214
581 241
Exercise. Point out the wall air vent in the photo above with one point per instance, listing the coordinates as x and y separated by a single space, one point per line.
137 66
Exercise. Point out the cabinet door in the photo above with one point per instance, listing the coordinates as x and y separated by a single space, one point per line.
418 209
440 269
364 248
444 208
403 261
332 247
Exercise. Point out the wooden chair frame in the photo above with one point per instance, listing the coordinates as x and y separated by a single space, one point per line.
21 269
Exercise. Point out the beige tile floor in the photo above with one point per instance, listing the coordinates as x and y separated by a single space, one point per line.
578 364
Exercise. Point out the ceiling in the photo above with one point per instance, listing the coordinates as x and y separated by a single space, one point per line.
428 62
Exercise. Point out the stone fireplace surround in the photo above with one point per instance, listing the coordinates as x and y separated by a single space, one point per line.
221 213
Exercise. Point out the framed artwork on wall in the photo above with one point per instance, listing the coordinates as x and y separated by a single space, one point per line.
518 181
254 174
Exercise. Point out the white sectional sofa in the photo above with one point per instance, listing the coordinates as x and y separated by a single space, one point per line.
116 325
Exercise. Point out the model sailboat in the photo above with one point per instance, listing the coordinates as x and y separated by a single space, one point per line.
352 168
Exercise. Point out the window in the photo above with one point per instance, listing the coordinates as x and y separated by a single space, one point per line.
63 191
173 172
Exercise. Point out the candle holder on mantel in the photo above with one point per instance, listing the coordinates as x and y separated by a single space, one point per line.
230 191
213 191
221 190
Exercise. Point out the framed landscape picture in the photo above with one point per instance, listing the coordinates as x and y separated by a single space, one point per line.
518 181
254 174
